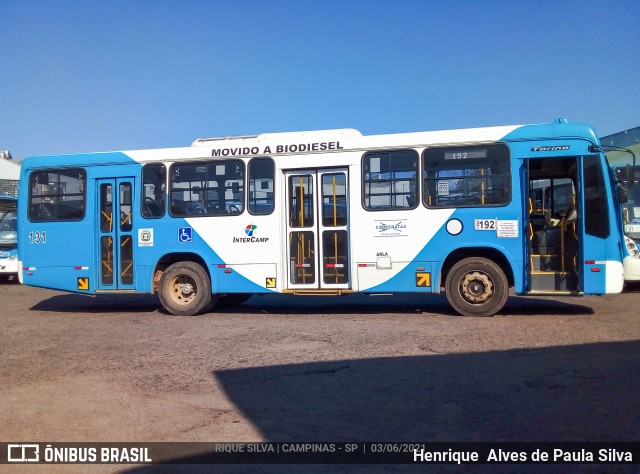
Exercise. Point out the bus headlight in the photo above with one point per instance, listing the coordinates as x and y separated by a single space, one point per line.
632 248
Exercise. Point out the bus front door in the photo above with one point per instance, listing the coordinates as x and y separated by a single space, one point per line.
317 230
555 238
115 234
595 226
569 225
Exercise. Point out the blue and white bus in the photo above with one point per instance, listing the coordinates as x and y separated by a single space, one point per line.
328 213
621 149
8 237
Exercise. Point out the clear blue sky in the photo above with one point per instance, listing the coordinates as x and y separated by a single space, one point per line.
80 76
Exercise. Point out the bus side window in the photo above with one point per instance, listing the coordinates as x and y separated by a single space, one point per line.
57 195
153 190
261 186
473 176
207 188
389 180
596 213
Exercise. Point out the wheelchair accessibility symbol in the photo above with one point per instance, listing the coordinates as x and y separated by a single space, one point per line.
185 234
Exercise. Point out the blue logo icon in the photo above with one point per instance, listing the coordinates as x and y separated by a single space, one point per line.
185 234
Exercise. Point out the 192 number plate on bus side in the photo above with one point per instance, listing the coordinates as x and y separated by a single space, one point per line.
484 224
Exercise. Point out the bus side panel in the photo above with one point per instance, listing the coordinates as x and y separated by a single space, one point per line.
205 238
594 282
387 242
239 278
400 277
243 251
64 252
422 273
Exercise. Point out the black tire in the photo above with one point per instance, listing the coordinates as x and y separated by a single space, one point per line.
185 289
477 287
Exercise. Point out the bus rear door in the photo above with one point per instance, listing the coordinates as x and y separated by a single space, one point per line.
115 234
317 230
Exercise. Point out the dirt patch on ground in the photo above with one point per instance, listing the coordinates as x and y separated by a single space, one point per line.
356 368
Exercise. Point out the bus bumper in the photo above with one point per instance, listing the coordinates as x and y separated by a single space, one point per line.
9 266
631 268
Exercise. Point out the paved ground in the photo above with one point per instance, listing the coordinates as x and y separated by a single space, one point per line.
77 368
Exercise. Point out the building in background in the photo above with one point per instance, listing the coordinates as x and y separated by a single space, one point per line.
9 174
626 139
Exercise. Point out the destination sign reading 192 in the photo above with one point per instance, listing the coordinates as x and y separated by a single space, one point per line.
465 154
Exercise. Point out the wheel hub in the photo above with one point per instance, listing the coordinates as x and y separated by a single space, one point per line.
187 289
183 290
476 287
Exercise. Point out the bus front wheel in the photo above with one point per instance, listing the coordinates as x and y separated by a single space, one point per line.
185 289
477 287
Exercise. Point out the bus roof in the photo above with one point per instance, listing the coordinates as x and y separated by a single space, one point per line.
281 136
319 141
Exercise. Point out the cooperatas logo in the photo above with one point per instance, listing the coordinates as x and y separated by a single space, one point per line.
391 228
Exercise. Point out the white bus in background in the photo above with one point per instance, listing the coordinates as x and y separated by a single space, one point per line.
8 238
621 150
630 216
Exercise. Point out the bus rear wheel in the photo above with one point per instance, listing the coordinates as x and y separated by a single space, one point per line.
477 287
185 289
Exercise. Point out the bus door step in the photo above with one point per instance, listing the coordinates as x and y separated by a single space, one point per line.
320 292
554 281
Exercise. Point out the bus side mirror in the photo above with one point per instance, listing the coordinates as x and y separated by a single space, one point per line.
622 194
631 176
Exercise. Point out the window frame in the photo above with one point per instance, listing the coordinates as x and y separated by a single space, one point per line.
493 151
305 201
392 182
82 172
596 208
248 186
143 196
209 164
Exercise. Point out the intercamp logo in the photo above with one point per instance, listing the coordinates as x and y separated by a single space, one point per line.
250 232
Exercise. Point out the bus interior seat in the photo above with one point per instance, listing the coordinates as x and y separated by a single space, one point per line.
546 236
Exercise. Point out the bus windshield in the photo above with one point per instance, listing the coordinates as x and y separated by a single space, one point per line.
8 224
631 209
8 228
